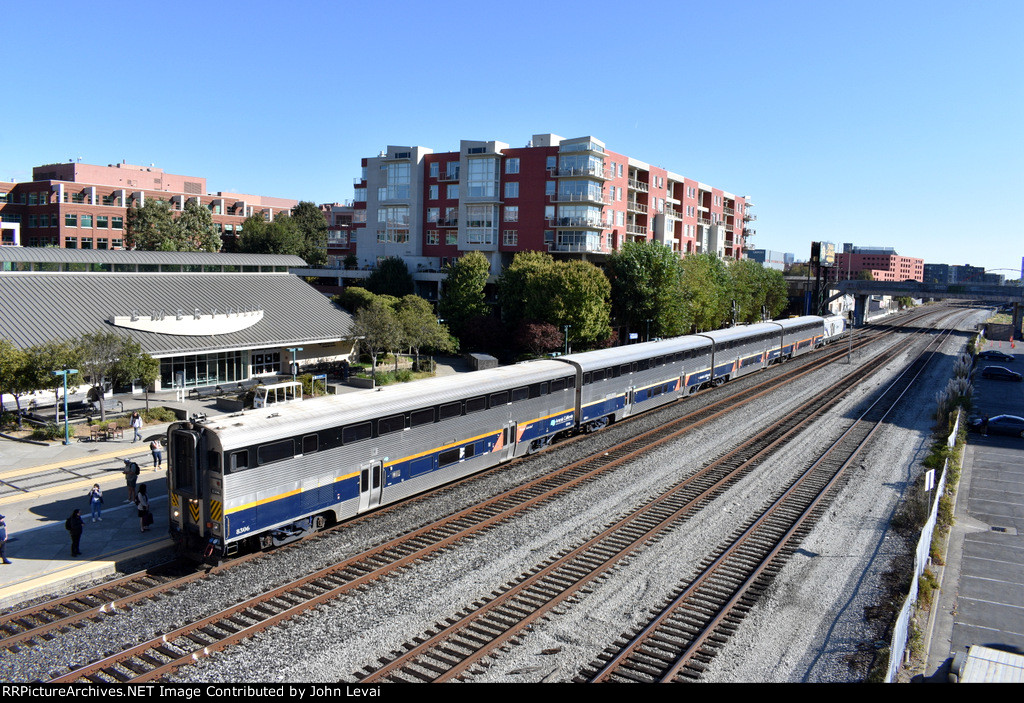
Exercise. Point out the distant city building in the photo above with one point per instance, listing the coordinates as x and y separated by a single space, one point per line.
83 206
570 197
945 274
883 263
771 259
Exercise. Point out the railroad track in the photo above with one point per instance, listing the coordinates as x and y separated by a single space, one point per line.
167 652
700 618
457 646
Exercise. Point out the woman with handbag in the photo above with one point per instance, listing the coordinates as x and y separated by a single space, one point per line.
143 502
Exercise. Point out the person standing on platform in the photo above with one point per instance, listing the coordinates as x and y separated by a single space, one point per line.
158 454
3 540
96 502
143 502
131 476
74 525
136 423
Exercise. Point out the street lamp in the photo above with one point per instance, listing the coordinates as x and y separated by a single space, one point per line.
64 377
648 330
295 363
567 338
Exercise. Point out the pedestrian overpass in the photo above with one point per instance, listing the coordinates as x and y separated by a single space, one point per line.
981 292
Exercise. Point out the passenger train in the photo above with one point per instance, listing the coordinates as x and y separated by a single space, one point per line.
267 477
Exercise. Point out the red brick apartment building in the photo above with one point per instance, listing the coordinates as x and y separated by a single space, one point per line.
884 265
83 206
570 197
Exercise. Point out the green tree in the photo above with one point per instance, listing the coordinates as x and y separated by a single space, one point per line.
646 280
776 297
281 236
14 374
43 360
462 295
706 289
105 357
520 290
195 230
150 227
352 298
420 328
379 329
312 226
391 277
580 295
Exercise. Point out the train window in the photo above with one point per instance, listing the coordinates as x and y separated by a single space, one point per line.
520 394
558 385
474 405
449 410
355 433
276 451
570 381
310 443
600 375
449 456
421 466
329 439
469 451
587 378
544 388
386 425
643 364
624 369
615 372
422 417
239 461
499 399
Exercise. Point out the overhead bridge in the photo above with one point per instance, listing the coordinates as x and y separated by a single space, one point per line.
981 292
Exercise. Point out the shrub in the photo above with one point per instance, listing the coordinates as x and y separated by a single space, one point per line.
52 431
158 415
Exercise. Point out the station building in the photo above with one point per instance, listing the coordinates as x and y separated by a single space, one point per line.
209 318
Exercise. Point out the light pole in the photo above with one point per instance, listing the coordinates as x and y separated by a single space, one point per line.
295 363
648 330
567 338
64 377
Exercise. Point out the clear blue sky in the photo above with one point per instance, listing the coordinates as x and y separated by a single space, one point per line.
879 123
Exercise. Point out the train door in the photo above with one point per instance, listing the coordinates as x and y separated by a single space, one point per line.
371 483
510 436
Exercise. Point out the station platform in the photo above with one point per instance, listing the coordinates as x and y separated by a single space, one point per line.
42 483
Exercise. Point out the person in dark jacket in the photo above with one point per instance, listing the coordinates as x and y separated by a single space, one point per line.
3 540
74 525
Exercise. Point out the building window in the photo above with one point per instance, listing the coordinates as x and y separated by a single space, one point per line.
510 237
549 188
512 189
511 213
70 242
453 192
452 238
552 163
435 168
433 195
70 220
86 220
511 165
433 213
86 242
433 236
117 222
102 221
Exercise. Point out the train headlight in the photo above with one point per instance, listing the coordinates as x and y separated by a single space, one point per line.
176 514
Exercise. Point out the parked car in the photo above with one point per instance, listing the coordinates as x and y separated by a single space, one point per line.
1000 424
995 355
1000 373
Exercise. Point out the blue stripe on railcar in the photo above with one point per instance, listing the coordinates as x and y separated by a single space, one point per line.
774 353
261 514
695 379
643 394
601 408
755 360
725 369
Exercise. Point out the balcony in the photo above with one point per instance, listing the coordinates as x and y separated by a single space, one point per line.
671 212
589 197
704 221
728 210
749 217
588 172
633 206
449 177
577 222
638 185
636 229
454 222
